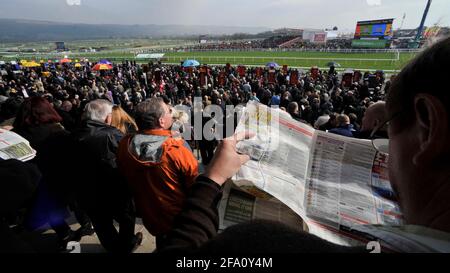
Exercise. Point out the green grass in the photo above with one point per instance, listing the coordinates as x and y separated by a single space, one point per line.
370 61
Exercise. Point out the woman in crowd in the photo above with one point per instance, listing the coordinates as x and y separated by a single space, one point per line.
122 121
39 123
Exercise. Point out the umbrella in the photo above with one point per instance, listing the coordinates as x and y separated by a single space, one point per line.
335 64
31 64
272 64
190 63
105 62
65 60
102 67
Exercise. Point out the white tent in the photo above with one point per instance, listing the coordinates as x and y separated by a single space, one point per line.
154 56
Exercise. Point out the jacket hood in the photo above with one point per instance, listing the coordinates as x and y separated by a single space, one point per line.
148 148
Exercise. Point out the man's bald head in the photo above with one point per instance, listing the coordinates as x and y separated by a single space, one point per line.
374 116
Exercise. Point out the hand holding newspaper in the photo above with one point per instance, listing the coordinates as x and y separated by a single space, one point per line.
13 146
333 183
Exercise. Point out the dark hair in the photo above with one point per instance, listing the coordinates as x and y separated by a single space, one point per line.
36 111
426 73
292 106
149 112
10 107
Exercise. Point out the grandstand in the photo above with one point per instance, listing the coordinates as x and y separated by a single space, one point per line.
277 41
291 42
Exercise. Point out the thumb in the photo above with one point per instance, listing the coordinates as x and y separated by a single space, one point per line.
243 159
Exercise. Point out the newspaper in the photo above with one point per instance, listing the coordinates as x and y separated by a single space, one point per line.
333 183
13 146
242 203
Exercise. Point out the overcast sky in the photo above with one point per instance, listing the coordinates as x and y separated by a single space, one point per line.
253 13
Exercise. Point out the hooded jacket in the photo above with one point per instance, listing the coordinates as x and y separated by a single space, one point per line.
160 169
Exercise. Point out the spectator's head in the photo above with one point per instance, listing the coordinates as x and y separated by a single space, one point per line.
10 107
122 121
374 116
353 118
333 120
99 110
56 103
66 106
287 95
293 108
342 120
36 111
418 107
153 114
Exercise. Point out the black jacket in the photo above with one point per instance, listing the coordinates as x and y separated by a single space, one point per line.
19 181
99 183
52 144
100 141
39 135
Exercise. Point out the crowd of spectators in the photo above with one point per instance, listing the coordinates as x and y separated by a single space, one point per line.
75 117
273 42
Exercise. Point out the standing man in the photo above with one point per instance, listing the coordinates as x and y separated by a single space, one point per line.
374 117
159 167
103 192
344 128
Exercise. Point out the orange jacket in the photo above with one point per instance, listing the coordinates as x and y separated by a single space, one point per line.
159 169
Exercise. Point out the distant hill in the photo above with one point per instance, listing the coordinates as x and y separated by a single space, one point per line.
12 30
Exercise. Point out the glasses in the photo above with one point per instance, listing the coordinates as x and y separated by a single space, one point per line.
382 144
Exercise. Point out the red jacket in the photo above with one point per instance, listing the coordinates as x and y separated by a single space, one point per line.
159 168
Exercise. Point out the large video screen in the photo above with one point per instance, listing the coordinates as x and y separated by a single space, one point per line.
375 29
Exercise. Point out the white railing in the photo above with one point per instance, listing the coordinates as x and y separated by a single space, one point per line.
330 50
272 58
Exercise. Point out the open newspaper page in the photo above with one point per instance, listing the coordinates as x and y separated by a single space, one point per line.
334 183
279 154
13 146
239 206
348 186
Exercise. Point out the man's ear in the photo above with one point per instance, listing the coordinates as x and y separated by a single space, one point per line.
375 123
431 128
108 119
161 122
